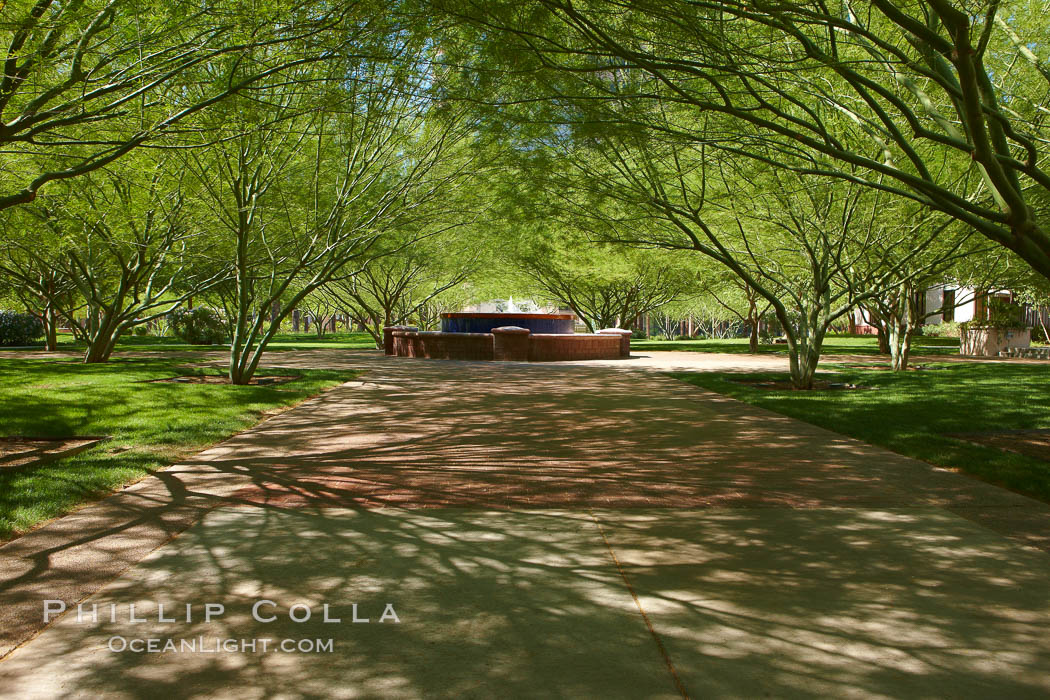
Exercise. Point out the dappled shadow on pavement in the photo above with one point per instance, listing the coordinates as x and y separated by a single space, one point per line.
836 603
512 604
763 551
427 434
748 602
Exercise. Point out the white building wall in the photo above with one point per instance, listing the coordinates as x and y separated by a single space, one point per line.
934 299
968 307
964 309
965 303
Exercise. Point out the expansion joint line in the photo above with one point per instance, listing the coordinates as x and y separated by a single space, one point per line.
648 623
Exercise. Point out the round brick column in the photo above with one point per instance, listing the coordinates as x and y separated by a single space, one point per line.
625 339
510 344
388 338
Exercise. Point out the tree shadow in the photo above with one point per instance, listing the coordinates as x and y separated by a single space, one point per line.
466 489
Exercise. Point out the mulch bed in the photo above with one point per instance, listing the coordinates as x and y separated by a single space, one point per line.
1031 443
22 451
217 379
785 385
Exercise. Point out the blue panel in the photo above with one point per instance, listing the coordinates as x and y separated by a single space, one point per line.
536 324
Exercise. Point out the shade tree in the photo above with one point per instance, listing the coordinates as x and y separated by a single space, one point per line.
954 254
119 249
314 169
789 237
934 102
606 285
32 271
318 312
408 277
731 297
86 82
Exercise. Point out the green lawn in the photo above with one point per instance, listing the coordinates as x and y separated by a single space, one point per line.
310 341
834 345
151 424
284 341
911 412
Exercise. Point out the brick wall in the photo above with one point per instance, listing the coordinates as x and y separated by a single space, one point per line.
543 347
443 346
550 347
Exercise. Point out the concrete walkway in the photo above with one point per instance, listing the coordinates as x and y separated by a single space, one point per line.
585 530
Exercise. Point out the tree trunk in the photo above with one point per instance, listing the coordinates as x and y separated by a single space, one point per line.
898 320
752 321
376 332
100 349
50 319
804 358
102 338
94 355
50 328
805 342
900 346
239 375
884 341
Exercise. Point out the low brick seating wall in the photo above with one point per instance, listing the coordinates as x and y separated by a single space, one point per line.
550 347
442 346
508 344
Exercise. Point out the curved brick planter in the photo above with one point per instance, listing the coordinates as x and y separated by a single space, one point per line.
511 343
550 347
625 339
441 346
508 343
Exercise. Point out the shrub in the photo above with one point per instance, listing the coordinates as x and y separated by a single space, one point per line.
1001 315
638 334
1004 314
19 329
140 330
947 329
199 326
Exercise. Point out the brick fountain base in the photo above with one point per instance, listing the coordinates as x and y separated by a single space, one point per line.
510 343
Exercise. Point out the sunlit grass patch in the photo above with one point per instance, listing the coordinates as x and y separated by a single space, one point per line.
151 424
914 413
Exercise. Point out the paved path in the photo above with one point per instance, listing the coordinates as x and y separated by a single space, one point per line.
540 530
